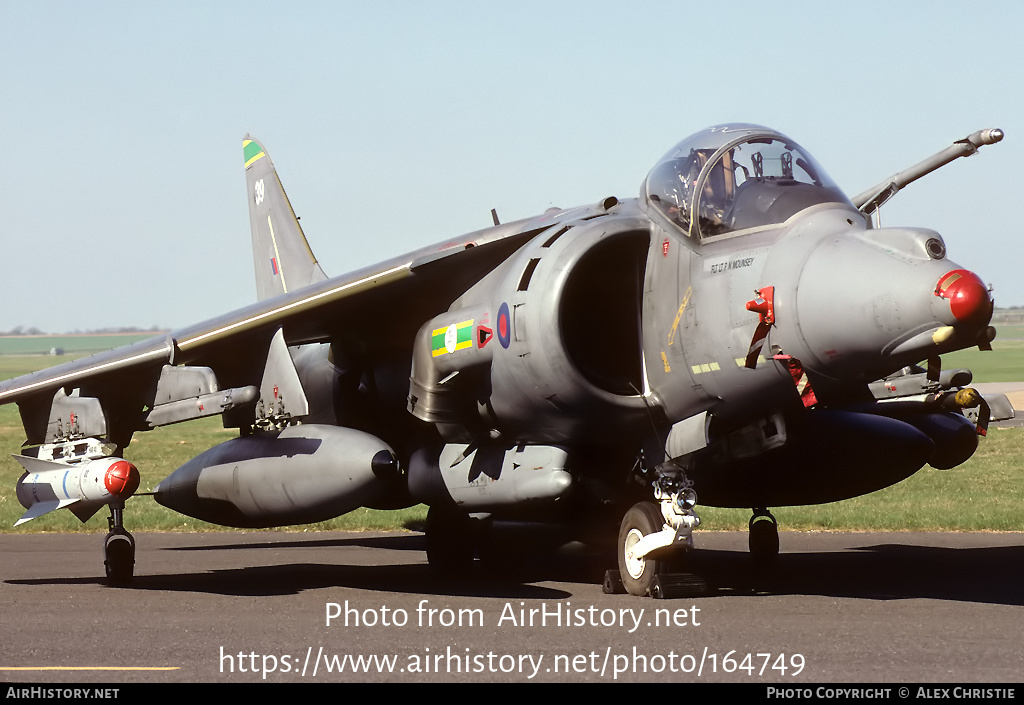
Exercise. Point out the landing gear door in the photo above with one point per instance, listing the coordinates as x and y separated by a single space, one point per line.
668 298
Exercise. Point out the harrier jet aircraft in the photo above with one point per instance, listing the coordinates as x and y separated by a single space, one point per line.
735 333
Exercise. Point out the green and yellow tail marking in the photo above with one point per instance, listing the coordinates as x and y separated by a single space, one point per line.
252 152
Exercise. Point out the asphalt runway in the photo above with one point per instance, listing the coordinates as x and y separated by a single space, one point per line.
253 607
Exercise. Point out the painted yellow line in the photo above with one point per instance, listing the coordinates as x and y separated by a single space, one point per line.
90 668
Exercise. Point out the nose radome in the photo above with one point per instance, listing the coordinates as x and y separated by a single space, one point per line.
968 296
858 310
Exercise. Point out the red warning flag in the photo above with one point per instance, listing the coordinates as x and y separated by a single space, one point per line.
764 306
800 380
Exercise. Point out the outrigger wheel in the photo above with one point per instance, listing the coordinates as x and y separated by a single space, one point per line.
118 549
763 539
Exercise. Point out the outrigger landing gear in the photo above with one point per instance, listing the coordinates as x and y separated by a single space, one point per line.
763 539
118 548
651 535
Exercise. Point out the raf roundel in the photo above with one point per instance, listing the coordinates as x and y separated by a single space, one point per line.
504 326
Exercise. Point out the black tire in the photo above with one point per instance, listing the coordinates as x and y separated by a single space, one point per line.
763 539
119 558
612 584
642 519
451 541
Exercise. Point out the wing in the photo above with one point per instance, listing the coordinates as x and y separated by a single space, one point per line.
215 364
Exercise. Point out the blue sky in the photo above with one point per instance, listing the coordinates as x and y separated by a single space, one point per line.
395 125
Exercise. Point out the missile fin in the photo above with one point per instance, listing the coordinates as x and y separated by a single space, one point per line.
84 510
34 465
40 508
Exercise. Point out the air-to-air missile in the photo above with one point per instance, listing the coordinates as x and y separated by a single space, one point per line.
82 487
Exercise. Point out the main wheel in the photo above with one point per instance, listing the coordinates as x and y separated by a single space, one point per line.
638 574
451 541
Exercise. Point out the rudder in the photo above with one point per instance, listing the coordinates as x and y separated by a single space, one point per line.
283 259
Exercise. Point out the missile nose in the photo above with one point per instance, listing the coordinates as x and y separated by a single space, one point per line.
968 296
121 479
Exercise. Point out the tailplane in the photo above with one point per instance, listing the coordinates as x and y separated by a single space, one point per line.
284 262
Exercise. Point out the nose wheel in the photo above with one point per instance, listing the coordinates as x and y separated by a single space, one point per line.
650 553
638 574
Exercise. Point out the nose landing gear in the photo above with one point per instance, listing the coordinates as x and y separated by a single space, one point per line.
638 570
652 535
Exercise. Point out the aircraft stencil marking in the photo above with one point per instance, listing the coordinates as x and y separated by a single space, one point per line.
679 315
725 266
483 335
705 367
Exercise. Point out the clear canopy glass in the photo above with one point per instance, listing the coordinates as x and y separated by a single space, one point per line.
732 178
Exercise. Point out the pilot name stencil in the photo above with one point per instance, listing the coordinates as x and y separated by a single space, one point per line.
730 264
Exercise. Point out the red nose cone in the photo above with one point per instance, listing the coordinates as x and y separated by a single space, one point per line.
122 479
968 296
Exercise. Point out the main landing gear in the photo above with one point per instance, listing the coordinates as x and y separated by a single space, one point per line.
118 548
453 540
450 548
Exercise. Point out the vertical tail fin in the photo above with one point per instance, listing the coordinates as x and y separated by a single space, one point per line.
284 262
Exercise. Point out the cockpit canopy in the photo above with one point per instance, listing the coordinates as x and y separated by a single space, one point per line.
738 177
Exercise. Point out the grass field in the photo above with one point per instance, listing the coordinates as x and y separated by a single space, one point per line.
984 494
72 345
